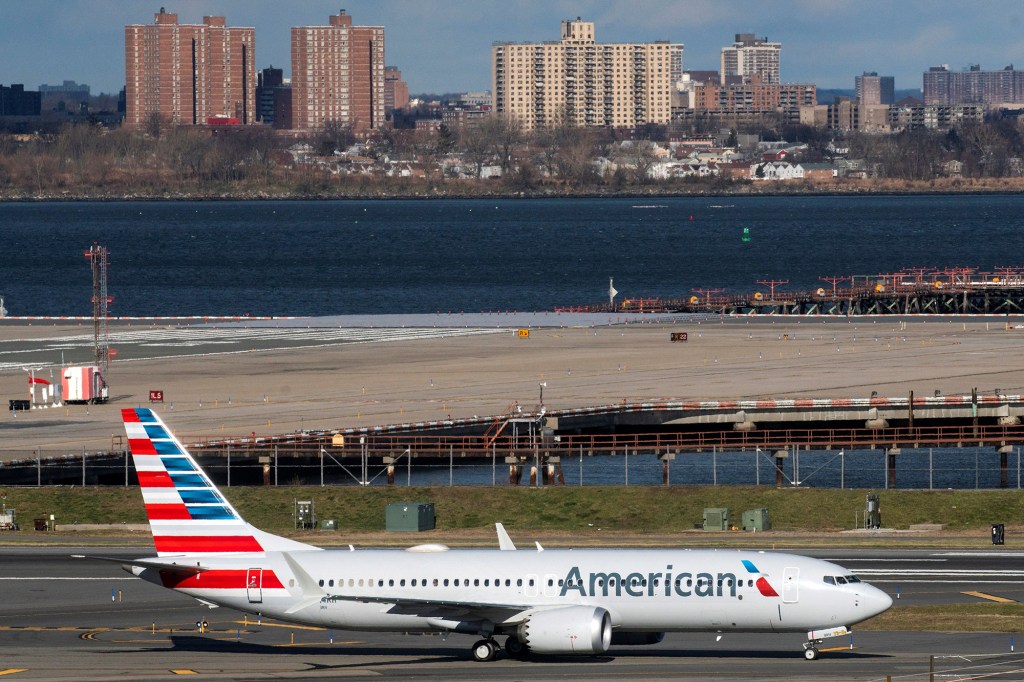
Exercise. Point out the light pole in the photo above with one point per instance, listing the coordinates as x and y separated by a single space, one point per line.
542 385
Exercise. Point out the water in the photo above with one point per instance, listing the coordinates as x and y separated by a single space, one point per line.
365 257
359 257
921 469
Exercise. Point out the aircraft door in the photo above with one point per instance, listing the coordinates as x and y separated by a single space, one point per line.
254 585
790 585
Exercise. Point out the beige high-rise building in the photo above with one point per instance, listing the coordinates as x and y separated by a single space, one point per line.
188 74
749 56
338 75
583 83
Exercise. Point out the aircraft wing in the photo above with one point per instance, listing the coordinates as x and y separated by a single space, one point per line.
495 612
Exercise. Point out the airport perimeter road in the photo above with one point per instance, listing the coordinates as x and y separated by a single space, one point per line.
68 619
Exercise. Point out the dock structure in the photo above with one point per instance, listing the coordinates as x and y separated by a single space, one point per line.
918 291
538 441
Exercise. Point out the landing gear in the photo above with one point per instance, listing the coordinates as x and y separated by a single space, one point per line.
485 650
515 648
810 653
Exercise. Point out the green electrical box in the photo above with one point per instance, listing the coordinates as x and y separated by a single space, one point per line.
410 516
716 518
756 519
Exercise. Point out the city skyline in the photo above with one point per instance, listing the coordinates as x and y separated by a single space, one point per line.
441 47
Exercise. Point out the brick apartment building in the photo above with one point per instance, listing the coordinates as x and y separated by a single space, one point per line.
338 75
189 73
974 86
585 83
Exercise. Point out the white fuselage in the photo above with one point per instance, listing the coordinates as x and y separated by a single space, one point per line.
642 590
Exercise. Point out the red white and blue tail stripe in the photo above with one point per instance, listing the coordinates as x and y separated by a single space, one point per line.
187 514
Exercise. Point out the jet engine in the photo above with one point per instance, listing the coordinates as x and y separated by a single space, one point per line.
567 630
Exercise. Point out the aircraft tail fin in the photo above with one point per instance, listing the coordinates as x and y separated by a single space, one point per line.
187 513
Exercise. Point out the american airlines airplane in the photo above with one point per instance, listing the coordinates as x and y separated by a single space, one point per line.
541 601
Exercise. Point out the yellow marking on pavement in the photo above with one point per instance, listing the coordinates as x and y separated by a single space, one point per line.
12 671
184 671
990 597
276 625
837 648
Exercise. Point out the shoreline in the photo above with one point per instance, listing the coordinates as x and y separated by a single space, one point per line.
804 190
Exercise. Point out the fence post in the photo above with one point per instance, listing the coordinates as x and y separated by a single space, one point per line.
125 468
229 466
451 464
83 467
39 469
626 457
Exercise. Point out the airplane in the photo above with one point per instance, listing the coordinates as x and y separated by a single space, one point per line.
542 601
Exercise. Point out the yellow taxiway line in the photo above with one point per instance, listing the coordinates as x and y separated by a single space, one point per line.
990 597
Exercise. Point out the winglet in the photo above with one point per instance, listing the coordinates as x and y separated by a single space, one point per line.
504 541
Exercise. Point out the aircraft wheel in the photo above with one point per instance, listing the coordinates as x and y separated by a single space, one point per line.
810 653
485 650
515 648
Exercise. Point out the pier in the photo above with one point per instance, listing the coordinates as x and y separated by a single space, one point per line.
917 291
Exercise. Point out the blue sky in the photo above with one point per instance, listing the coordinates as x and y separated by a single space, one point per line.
444 46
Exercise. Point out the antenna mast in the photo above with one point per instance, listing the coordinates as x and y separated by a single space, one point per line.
98 259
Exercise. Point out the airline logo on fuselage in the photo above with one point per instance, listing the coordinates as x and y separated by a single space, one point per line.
661 584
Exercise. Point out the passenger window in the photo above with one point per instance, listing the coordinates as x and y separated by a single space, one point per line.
435 582
456 582
531 582
487 582
519 582
476 582
330 583
414 582
380 583
402 583
508 582
391 582
446 582
321 582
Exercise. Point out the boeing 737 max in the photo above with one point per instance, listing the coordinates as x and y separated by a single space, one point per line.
541 601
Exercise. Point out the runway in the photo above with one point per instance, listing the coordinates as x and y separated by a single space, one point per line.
65 618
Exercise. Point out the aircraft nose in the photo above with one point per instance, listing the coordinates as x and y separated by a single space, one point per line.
877 601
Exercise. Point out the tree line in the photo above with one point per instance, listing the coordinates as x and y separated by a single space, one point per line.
159 159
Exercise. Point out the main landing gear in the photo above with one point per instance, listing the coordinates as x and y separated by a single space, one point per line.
488 649
485 650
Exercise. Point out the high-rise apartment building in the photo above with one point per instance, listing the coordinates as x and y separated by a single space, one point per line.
974 86
874 89
338 75
189 73
584 83
750 56
396 90
268 82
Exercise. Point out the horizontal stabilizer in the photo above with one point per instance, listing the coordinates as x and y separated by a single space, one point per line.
162 564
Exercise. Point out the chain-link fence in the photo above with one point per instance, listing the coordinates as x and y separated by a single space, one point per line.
934 468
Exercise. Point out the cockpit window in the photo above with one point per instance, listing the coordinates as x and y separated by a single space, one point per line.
830 580
841 580
852 579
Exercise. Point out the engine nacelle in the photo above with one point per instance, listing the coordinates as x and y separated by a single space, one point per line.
637 638
568 630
